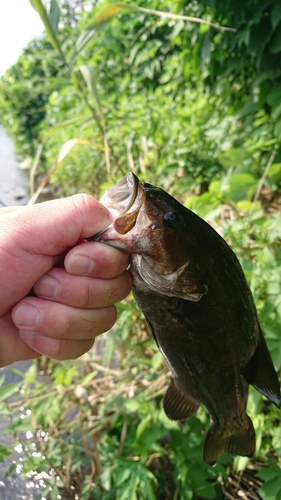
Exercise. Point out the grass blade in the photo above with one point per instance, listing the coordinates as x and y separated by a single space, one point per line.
40 8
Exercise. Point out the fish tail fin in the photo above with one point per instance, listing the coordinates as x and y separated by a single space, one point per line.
261 374
238 438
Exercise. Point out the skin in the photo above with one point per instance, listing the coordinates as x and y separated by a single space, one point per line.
57 291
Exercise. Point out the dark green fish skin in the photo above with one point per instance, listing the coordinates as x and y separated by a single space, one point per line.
193 292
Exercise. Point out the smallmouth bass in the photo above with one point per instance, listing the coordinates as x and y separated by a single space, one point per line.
193 292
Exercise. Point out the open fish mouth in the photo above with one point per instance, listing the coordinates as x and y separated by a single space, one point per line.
120 198
124 200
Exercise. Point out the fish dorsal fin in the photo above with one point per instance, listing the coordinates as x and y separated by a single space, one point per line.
179 405
260 373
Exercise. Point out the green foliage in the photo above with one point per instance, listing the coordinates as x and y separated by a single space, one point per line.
188 91
197 111
271 489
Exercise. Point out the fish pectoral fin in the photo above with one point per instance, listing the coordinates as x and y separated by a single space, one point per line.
178 405
238 438
260 373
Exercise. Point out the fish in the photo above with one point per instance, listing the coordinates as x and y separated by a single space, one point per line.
194 295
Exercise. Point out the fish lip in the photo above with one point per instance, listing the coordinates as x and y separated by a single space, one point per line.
122 195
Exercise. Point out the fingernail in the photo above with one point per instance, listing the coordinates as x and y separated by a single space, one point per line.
47 287
80 264
26 315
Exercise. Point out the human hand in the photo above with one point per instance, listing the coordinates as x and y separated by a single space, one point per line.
69 305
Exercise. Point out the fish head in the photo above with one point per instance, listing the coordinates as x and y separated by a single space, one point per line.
153 227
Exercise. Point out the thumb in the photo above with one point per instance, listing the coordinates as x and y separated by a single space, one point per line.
32 237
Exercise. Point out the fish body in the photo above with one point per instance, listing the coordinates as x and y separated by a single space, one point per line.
193 292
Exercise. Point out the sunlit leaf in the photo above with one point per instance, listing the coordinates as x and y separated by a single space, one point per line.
156 360
88 73
63 125
98 22
40 8
142 426
242 187
30 374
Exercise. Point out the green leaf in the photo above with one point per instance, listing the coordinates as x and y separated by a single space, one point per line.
4 452
240 463
260 35
40 8
275 44
8 390
88 73
273 288
206 491
63 125
233 157
146 486
276 112
111 10
274 173
142 426
156 360
132 404
270 488
243 37
270 472
30 374
274 96
123 474
244 205
11 470
128 488
85 380
241 187
275 14
109 351
98 22
277 130
4 410
54 16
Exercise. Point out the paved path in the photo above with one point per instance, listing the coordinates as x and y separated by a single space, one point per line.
14 487
13 181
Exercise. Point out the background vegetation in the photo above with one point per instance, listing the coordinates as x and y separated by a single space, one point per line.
196 110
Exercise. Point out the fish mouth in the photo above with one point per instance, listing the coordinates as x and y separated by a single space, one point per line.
121 197
124 201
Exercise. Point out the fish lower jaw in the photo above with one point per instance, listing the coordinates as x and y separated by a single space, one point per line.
159 283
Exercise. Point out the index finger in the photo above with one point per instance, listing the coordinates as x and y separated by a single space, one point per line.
96 259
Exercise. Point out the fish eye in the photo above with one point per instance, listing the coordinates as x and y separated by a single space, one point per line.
171 220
